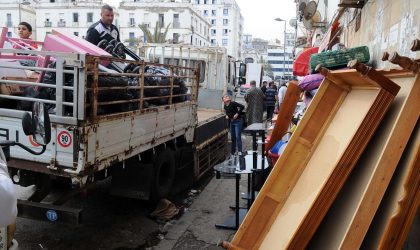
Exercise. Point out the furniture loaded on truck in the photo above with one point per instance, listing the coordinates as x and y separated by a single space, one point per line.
136 121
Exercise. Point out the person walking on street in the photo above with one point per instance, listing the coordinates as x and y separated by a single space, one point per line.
233 112
255 101
270 100
264 87
281 94
104 26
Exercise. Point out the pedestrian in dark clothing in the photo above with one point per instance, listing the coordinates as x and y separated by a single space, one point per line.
255 101
270 100
264 87
233 112
98 30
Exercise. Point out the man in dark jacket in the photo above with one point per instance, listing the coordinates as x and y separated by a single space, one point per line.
98 30
233 112
270 100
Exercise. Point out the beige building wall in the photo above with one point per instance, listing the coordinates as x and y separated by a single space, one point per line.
386 25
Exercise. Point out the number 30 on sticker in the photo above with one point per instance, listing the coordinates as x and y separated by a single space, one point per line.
64 139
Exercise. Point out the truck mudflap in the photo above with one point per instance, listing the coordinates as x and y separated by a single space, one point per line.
49 212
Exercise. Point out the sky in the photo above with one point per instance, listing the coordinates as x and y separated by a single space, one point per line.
259 16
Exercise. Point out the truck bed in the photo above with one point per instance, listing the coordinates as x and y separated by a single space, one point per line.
204 115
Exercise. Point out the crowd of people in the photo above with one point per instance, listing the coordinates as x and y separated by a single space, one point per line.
259 100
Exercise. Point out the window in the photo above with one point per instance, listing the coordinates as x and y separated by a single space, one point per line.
175 38
206 12
213 32
225 12
225 32
132 22
213 1
213 21
9 34
89 17
75 17
131 37
176 24
205 1
76 33
161 20
213 42
213 12
197 1
224 42
9 20
52 1
225 21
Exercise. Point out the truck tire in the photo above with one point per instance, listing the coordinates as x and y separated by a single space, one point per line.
164 174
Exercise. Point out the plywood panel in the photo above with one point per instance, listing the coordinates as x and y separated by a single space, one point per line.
337 140
391 224
348 220
320 166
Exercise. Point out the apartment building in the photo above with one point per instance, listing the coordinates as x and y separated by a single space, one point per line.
71 16
281 58
226 23
186 24
13 12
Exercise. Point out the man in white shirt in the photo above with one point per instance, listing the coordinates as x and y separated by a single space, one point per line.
8 198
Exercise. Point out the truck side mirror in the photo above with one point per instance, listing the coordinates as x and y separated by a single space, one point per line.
242 70
38 125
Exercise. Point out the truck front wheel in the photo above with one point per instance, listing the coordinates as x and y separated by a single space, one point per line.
164 174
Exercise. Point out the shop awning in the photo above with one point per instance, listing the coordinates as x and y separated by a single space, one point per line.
301 63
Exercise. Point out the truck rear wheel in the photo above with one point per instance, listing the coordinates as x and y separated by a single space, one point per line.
164 174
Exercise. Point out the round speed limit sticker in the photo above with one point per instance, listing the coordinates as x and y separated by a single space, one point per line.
64 139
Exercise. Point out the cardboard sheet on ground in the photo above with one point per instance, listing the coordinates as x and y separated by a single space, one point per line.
320 155
348 220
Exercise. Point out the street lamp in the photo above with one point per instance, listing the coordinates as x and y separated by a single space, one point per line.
284 44
22 3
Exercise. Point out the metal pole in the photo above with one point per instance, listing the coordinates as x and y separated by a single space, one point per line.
19 12
284 50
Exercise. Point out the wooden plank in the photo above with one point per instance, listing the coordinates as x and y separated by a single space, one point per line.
349 218
285 115
398 208
336 127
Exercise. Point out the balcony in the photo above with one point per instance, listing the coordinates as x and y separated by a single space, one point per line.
61 24
131 24
75 24
47 24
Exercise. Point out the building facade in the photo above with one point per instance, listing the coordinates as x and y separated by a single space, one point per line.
71 16
226 23
281 58
186 24
16 11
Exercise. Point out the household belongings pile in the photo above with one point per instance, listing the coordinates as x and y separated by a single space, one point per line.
349 177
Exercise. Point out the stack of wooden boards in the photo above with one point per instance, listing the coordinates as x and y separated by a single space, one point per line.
335 173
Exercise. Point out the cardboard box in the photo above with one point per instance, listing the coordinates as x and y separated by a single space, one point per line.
14 89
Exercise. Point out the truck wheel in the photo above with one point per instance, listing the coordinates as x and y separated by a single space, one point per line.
164 169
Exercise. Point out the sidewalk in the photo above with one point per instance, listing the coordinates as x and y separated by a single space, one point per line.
195 229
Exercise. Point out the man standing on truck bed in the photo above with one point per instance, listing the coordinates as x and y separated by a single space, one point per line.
104 26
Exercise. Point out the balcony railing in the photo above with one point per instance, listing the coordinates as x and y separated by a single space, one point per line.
47 24
61 24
